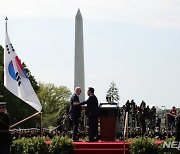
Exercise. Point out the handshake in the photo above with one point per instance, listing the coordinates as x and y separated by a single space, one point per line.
75 103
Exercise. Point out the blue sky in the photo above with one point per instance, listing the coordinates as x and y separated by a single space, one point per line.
133 43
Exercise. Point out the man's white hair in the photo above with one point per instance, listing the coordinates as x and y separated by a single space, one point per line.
77 88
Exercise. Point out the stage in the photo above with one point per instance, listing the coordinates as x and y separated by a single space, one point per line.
101 147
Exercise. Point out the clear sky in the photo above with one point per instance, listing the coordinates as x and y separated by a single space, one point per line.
135 43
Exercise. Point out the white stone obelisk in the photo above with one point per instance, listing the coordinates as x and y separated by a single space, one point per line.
79 56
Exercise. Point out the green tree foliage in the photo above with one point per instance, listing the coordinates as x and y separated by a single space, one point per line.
113 92
31 78
18 109
54 100
52 96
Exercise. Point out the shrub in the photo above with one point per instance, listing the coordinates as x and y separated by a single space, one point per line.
143 146
61 145
17 146
40 146
35 145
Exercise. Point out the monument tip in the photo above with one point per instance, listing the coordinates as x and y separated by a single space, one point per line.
78 13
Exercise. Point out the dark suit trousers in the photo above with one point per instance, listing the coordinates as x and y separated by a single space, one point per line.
75 121
93 127
177 132
4 149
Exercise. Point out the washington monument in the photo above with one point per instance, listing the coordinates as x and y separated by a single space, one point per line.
79 56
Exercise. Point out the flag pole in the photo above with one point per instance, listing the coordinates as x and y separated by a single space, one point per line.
25 119
4 94
6 23
41 129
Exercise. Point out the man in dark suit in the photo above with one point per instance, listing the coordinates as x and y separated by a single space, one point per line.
92 114
75 112
5 135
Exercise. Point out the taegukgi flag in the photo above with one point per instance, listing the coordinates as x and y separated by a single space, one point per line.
15 77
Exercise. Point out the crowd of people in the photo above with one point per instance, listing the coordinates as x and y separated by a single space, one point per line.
47 133
141 116
146 121
142 121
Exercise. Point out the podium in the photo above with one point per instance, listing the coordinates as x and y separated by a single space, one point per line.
108 113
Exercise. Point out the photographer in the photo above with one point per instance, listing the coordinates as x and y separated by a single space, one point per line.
177 126
142 117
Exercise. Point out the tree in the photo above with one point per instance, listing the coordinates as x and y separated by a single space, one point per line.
52 96
55 101
113 92
31 78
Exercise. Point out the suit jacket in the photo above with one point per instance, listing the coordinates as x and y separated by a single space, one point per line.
178 121
92 106
75 110
5 121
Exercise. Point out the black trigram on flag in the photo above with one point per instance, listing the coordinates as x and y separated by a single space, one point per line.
9 48
18 78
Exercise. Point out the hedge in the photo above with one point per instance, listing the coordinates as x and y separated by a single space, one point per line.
64 145
36 145
145 145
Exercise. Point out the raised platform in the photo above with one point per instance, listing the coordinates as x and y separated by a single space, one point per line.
101 147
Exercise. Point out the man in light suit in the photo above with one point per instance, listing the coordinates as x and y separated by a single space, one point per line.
75 112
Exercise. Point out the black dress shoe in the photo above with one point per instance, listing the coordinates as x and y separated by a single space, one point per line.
89 141
76 141
92 141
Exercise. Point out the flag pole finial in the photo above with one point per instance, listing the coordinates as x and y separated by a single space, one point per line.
6 23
